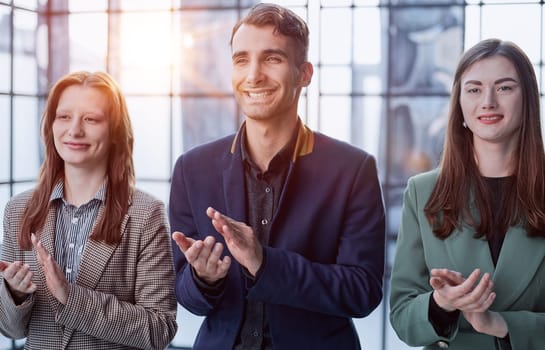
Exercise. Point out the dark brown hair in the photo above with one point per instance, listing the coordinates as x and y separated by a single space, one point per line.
460 181
120 170
284 21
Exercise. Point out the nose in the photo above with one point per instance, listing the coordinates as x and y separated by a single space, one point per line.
489 99
76 128
254 74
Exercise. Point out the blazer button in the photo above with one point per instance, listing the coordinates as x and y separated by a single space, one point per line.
442 344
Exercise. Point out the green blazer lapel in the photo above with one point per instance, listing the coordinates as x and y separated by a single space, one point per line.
96 256
468 253
519 259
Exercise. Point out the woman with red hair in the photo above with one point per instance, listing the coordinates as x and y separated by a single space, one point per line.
86 256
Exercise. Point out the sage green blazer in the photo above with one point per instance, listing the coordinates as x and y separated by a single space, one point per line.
519 278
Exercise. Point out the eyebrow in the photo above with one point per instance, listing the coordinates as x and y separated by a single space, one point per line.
265 52
499 81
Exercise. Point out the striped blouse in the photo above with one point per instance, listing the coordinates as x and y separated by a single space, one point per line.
73 227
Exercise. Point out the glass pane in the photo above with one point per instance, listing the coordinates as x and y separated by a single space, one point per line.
145 52
25 66
186 337
425 46
367 115
368 36
508 1
206 119
27 4
88 47
369 327
143 4
159 190
4 197
204 59
394 197
472 25
417 128
150 117
26 138
336 35
176 133
5 127
335 117
288 3
524 20
336 80
79 5
336 3
5 34
23 186
368 2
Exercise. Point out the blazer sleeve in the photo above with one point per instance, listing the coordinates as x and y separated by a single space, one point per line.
410 289
525 328
181 217
352 285
150 321
14 319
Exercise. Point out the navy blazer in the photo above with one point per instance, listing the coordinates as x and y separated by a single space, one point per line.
325 260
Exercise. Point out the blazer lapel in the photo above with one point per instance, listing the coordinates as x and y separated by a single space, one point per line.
233 188
468 253
519 259
93 262
95 257
47 238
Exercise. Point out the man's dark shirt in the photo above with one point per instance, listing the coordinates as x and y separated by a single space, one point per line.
263 190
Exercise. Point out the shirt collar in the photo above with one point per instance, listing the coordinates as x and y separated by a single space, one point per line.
58 191
303 146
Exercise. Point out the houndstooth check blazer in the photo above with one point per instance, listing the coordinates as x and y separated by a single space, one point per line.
123 297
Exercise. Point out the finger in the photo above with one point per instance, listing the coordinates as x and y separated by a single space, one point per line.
210 212
183 242
41 252
223 266
479 295
214 260
26 283
3 265
437 283
469 284
451 277
11 270
193 252
208 246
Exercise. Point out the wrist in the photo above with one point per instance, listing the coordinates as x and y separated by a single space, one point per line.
441 303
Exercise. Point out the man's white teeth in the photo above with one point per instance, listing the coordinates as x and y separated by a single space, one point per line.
257 94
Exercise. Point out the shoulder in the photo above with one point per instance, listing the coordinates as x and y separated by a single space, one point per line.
143 204
331 147
420 186
19 201
143 198
424 179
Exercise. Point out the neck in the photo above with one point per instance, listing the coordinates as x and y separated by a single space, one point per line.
80 185
265 140
495 160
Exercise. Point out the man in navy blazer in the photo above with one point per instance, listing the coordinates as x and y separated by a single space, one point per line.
279 230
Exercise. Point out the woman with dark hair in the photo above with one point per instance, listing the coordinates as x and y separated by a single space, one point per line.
469 270
86 256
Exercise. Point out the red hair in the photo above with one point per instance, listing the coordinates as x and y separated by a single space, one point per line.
120 169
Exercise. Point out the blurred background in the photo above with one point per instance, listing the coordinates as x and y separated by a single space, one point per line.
383 71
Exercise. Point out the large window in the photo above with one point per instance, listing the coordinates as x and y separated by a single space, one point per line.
383 70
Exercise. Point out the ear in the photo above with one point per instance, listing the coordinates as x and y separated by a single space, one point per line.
306 70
